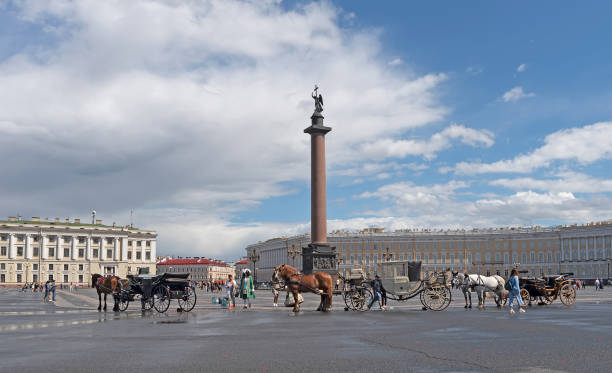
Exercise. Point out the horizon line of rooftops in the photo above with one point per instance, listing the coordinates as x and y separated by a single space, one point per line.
426 231
192 260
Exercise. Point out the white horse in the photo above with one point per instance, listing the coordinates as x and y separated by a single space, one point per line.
480 284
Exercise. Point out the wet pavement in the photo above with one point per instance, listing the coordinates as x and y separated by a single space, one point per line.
72 336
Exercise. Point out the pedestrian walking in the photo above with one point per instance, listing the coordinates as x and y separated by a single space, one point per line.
230 287
52 288
596 284
46 297
337 284
376 289
247 290
275 294
515 292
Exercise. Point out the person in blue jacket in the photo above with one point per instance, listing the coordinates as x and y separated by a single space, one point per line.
515 292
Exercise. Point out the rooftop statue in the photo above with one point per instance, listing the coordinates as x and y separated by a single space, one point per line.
318 99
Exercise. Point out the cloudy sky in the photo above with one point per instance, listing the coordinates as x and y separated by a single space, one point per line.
191 113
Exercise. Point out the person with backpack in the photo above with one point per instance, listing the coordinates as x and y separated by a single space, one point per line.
515 292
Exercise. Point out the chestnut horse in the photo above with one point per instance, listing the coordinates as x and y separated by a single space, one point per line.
318 283
106 285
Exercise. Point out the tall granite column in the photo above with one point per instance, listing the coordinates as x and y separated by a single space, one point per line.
318 256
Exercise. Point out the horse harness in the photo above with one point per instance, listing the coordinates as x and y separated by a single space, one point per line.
299 283
480 282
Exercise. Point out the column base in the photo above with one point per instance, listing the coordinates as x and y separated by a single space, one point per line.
317 257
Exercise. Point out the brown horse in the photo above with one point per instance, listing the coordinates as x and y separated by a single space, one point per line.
318 283
106 285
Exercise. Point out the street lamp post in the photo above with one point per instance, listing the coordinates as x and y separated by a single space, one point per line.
293 253
387 254
254 257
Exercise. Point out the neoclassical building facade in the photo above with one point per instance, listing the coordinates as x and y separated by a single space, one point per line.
199 269
583 249
69 251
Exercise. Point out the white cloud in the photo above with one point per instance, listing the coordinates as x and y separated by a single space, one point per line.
386 148
522 67
585 145
158 105
516 94
396 62
474 70
573 182
442 206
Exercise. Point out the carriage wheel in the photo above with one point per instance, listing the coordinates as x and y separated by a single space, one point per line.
436 298
124 302
347 299
148 304
188 300
547 298
161 299
525 296
567 294
360 299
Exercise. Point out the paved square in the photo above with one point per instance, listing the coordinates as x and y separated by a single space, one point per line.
71 336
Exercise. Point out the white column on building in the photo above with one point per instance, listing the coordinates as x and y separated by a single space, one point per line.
73 247
43 251
101 253
143 247
28 247
124 249
116 249
12 248
153 250
571 244
58 241
586 254
88 248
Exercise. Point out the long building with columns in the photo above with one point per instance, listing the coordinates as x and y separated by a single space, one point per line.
71 251
583 249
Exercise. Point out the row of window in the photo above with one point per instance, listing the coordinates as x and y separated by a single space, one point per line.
67 239
575 243
81 252
50 267
457 258
20 278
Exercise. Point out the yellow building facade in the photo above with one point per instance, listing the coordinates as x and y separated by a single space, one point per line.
584 250
70 252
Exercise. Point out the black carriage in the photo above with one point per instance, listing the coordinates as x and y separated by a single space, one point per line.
547 289
355 289
402 281
156 291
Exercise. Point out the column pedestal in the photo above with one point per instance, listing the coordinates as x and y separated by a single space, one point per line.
318 257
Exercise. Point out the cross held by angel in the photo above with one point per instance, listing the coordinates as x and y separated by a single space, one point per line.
318 99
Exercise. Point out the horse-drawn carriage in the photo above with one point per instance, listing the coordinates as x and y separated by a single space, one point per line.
355 289
401 281
156 291
548 288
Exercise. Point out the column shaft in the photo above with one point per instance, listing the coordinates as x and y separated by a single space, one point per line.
124 249
318 190
12 248
115 249
44 251
28 247
73 247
